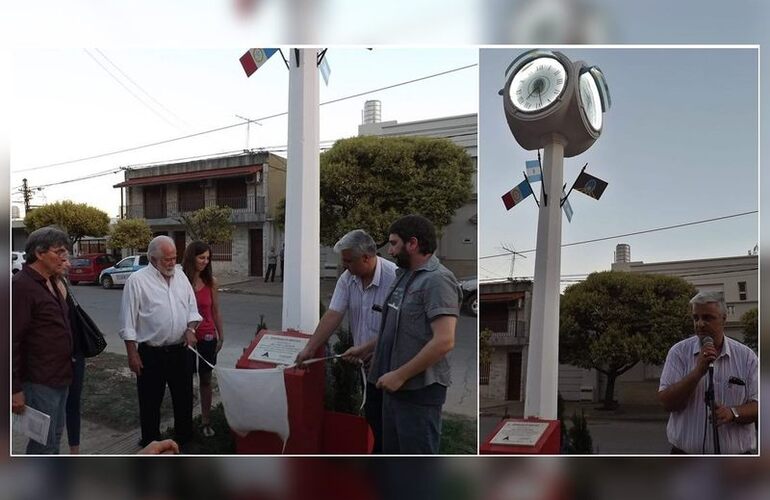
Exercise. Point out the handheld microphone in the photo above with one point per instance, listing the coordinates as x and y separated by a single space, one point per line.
707 341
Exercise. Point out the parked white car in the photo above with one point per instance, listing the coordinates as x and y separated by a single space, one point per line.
17 259
119 273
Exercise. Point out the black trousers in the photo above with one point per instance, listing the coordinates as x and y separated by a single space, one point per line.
170 365
270 275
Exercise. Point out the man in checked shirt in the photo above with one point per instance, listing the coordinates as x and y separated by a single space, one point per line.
360 292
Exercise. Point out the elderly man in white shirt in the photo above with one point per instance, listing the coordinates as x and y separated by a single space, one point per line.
683 385
360 292
158 317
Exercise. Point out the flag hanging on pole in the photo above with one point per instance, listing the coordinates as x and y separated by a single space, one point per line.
533 171
590 185
516 195
566 206
254 58
325 70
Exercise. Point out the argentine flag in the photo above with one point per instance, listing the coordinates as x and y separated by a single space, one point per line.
533 171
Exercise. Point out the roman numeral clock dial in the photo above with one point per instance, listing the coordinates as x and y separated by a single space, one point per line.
538 84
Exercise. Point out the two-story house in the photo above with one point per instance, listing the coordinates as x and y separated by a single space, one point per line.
504 311
251 184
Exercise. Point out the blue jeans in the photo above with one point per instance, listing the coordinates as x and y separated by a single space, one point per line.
408 427
51 401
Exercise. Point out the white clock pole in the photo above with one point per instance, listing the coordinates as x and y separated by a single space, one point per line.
543 356
301 294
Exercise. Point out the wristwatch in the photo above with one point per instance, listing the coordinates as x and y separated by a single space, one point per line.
735 413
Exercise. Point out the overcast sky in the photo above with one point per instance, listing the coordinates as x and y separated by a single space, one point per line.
66 106
679 145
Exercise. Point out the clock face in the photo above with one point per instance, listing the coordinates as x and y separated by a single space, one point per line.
538 84
591 101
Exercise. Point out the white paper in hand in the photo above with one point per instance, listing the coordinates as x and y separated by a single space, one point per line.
254 400
33 423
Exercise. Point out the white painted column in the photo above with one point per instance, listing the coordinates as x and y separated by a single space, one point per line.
543 359
301 294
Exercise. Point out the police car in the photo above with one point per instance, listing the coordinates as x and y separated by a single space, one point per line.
119 273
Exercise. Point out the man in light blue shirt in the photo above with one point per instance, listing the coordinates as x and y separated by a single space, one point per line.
360 292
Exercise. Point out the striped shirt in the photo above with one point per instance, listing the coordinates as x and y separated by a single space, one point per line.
686 428
351 297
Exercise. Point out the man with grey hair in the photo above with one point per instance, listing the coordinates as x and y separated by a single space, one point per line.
42 339
360 292
158 317
683 385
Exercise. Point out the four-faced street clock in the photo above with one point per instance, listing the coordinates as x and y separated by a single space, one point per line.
547 95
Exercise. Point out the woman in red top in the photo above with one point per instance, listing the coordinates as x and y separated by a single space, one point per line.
197 267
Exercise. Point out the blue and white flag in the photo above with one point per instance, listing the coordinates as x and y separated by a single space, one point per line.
325 69
533 171
566 206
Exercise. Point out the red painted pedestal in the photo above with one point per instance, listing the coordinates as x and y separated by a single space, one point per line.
312 430
548 444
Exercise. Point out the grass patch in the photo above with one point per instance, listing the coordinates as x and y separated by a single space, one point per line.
109 394
458 435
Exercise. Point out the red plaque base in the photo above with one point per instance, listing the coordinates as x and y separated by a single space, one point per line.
549 442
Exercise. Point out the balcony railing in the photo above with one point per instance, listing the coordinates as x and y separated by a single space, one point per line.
506 332
245 208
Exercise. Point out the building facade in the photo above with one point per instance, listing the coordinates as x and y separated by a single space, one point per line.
251 184
504 313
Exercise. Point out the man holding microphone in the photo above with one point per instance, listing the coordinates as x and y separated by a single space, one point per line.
683 385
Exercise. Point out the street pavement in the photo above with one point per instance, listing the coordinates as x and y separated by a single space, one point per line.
243 303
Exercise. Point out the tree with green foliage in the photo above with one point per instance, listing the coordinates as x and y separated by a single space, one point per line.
134 234
209 224
77 219
368 182
613 320
750 323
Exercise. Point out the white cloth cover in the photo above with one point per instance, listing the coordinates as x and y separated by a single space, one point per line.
254 400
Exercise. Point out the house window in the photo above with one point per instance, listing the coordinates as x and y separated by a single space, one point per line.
222 252
191 197
232 193
484 373
154 202
730 311
742 290
86 247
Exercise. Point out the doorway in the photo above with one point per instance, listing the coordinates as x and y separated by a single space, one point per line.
255 252
514 377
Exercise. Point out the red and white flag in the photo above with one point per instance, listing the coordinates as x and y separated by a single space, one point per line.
254 58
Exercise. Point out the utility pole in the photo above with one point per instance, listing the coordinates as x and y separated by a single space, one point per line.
26 194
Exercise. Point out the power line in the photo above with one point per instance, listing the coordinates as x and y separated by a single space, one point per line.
240 124
128 89
139 87
84 178
664 228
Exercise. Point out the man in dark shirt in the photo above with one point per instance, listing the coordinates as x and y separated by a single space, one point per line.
42 340
417 333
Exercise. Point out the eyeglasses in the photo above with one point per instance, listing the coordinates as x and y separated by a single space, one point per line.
61 252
